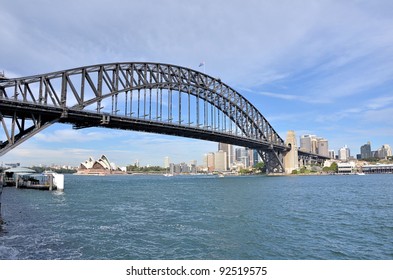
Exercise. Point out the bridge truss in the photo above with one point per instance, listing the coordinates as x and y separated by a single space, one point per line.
150 97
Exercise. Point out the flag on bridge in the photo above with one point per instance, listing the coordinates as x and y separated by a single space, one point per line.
201 64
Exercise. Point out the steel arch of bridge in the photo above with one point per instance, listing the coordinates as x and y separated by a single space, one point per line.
151 97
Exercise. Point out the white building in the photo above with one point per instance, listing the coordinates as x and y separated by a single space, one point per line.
344 153
346 167
220 161
384 151
166 162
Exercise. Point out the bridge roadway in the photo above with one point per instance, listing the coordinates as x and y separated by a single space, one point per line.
149 97
84 119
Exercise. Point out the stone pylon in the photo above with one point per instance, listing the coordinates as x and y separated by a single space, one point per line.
291 159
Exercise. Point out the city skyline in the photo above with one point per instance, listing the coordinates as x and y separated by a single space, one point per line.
321 68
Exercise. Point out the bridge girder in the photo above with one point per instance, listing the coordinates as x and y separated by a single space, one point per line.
192 103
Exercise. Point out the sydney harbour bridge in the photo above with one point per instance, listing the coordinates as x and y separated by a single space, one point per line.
149 97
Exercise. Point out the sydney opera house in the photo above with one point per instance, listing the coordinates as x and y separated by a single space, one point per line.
101 166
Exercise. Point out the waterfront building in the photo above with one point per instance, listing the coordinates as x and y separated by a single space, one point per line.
346 167
378 168
102 166
220 163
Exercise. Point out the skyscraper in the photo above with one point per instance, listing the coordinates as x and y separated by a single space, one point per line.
166 162
365 151
323 147
228 149
209 162
313 144
306 143
384 151
220 161
344 153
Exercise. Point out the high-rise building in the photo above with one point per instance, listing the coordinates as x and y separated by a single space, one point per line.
384 151
332 154
209 162
365 151
306 143
244 157
238 154
220 161
255 157
166 162
313 144
228 149
344 153
323 147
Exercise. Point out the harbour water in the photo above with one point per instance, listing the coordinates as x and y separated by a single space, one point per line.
201 217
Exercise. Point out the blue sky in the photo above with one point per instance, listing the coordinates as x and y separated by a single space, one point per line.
318 67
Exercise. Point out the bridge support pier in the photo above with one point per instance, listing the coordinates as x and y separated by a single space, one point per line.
291 161
1 190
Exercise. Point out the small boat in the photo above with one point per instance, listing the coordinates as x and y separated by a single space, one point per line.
360 173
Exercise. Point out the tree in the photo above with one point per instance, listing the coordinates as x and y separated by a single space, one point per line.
260 167
334 167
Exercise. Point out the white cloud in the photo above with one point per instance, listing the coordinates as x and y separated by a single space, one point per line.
67 135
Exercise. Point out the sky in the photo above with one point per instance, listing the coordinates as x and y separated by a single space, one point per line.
316 67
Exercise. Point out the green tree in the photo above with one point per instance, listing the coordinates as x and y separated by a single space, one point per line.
260 166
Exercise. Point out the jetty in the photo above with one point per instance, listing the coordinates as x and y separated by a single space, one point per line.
25 178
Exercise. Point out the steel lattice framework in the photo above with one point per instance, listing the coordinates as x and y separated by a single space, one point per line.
151 97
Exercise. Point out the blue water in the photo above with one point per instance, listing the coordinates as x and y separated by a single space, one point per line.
196 217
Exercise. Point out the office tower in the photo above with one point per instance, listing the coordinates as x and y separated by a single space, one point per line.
344 153
332 154
323 147
384 151
313 144
209 162
220 161
228 149
238 154
166 162
365 151
244 157
306 143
